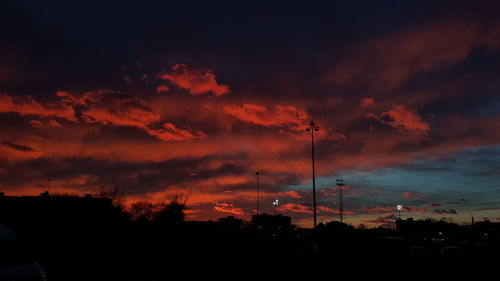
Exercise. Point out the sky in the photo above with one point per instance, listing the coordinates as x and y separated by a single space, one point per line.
191 98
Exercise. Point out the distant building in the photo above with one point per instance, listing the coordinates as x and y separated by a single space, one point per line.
426 228
488 229
265 221
63 211
231 222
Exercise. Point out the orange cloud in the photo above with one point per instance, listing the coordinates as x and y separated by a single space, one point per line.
162 88
294 207
277 116
291 193
228 208
366 102
412 195
195 80
404 118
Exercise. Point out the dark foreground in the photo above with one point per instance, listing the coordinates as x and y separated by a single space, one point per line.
152 252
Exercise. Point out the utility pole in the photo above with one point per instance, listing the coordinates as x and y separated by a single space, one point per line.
312 128
257 174
340 183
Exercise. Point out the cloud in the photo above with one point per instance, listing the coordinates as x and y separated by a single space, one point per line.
26 105
444 211
409 195
385 221
36 123
405 119
385 63
291 193
366 102
378 209
296 208
415 210
169 132
16 146
228 208
276 116
104 107
162 88
196 80
330 210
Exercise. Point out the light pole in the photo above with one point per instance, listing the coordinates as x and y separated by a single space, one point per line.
340 183
48 187
312 128
399 211
257 174
275 203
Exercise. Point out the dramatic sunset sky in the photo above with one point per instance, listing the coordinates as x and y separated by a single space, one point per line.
193 97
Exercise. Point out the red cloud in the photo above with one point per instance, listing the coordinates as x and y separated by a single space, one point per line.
297 208
366 102
171 132
404 118
28 106
278 116
36 123
412 195
195 80
228 208
292 193
162 88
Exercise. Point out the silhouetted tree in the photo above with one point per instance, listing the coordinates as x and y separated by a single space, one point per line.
162 212
142 211
116 195
171 212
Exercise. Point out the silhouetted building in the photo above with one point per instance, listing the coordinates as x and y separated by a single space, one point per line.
265 221
488 229
426 228
231 222
60 211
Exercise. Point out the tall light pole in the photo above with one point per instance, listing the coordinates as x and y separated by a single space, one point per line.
312 128
49 181
400 208
340 183
257 174
275 203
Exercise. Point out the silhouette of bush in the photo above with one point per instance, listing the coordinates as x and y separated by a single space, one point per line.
162 212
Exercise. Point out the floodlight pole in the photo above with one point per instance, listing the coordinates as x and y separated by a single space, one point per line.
275 203
258 183
340 183
311 129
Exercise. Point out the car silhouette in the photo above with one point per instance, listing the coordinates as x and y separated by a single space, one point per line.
420 254
452 254
15 261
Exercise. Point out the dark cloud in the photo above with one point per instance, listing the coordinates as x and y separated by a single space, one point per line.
16 146
444 211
